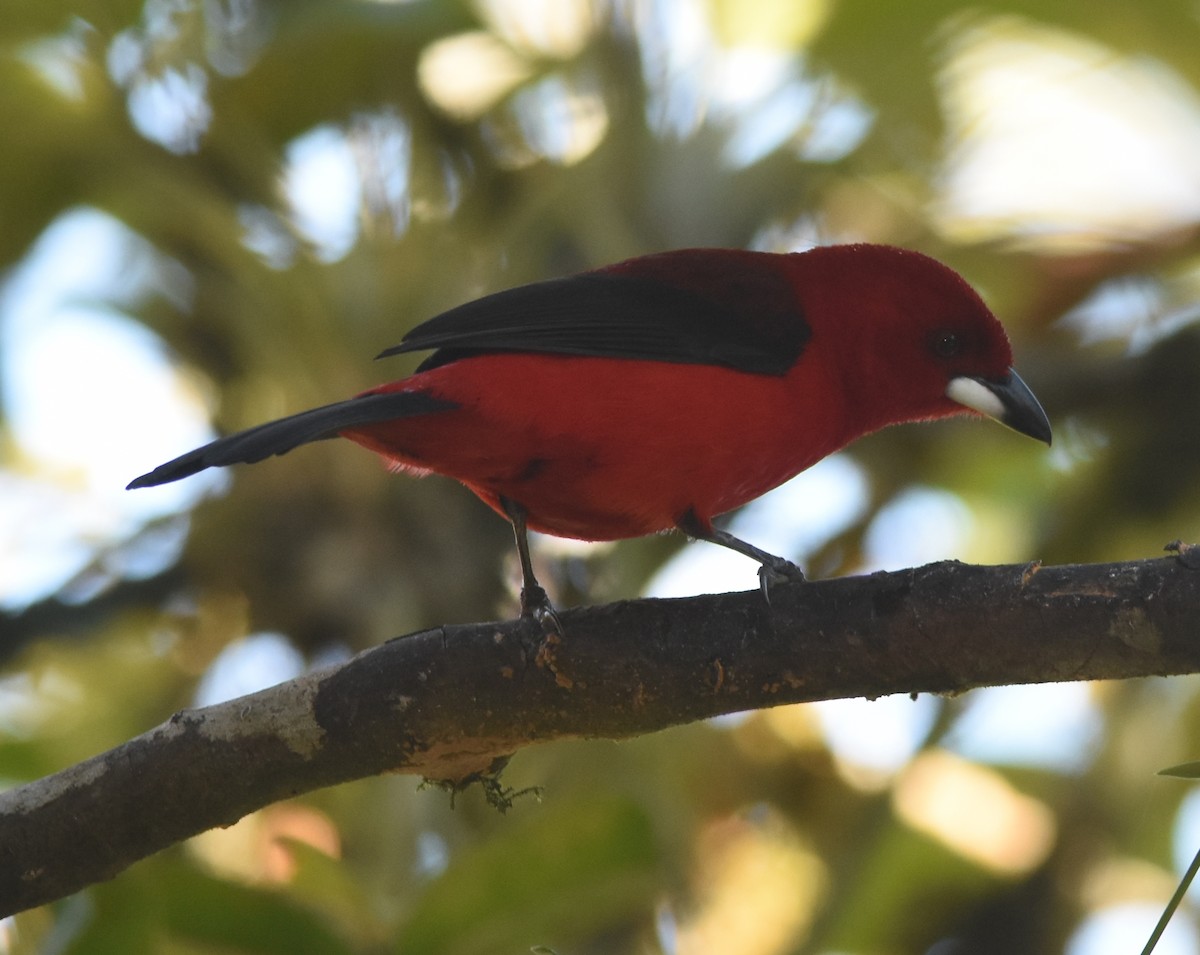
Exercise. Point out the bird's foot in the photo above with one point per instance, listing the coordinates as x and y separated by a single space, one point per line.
777 571
536 606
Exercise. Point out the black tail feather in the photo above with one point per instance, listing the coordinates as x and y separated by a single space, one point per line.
279 437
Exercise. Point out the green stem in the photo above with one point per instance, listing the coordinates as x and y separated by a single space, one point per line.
1180 892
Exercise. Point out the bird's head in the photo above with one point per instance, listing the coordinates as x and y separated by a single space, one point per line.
917 338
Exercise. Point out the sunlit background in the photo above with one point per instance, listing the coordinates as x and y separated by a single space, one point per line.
213 213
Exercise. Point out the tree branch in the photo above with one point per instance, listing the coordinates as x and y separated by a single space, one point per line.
452 703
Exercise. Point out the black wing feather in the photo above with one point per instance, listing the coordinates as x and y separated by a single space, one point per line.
278 437
698 307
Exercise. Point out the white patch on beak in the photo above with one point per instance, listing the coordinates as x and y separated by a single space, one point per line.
971 394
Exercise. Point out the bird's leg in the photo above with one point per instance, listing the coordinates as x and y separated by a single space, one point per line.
772 569
534 601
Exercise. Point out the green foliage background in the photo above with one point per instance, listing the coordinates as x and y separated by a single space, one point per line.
636 844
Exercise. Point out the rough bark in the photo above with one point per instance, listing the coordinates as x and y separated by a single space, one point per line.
452 703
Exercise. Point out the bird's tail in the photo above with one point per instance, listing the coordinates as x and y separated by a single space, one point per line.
279 437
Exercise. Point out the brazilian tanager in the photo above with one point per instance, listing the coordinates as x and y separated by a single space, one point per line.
663 391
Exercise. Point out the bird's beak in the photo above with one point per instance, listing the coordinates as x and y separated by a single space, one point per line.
1008 400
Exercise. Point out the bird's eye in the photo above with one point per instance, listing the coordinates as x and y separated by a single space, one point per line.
946 344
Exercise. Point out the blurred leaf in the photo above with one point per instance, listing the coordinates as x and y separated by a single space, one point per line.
874 907
325 884
557 874
777 24
167 901
1182 771
240 918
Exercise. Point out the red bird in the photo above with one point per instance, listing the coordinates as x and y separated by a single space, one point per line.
660 392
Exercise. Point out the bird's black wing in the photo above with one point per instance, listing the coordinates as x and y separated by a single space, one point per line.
698 306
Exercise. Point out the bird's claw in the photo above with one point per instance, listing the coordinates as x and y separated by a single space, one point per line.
536 606
777 571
